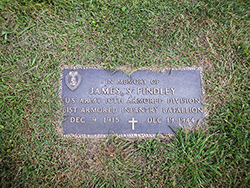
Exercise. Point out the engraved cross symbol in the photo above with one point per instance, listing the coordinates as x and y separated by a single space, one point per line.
133 121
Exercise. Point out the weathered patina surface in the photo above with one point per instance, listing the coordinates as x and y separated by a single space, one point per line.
99 102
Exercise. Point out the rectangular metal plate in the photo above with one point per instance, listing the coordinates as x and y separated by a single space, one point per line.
99 102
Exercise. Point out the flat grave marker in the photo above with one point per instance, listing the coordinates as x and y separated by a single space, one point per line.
99 102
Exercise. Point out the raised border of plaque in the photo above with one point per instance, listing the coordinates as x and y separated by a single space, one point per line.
145 104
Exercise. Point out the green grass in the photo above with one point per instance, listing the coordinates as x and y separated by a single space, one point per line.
38 37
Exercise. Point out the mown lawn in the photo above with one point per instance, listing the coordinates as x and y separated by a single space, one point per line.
38 37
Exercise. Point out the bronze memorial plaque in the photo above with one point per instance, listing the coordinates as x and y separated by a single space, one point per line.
99 102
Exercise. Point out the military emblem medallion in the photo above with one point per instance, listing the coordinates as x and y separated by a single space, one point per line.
73 80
